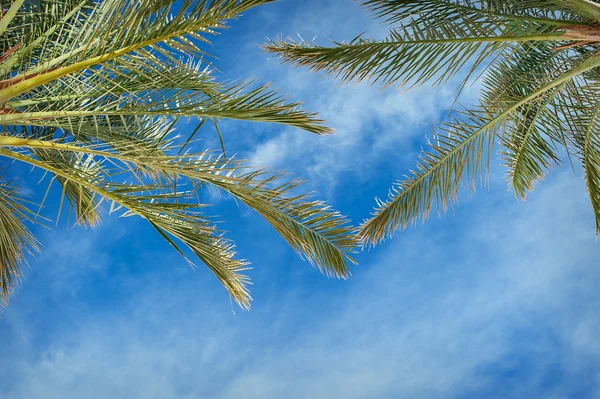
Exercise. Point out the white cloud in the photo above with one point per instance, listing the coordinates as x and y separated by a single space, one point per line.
371 124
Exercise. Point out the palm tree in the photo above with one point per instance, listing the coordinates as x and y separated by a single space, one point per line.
90 95
538 62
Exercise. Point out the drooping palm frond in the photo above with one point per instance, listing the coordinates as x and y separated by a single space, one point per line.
16 241
460 153
534 134
315 231
581 109
91 92
529 55
84 201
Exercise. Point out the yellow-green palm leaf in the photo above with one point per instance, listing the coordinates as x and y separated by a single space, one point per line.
90 93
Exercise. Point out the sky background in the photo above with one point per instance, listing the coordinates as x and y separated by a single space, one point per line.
496 299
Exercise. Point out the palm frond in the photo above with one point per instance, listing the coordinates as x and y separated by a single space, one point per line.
317 233
534 134
530 143
427 47
91 93
121 64
460 153
170 215
82 31
257 105
82 200
580 108
16 241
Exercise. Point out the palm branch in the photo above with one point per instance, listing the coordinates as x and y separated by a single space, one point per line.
90 93
538 62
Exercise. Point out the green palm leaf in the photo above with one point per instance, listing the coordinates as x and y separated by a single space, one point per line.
437 39
316 232
91 92
581 108
16 241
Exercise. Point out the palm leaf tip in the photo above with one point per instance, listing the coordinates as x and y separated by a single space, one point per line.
384 222
232 278
318 234
301 53
220 259
327 240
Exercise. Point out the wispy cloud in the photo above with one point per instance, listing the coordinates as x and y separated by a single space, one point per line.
439 312
370 126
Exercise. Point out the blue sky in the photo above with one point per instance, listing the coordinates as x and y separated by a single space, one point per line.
496 299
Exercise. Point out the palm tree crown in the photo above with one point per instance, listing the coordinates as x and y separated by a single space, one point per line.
539 65
90 93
